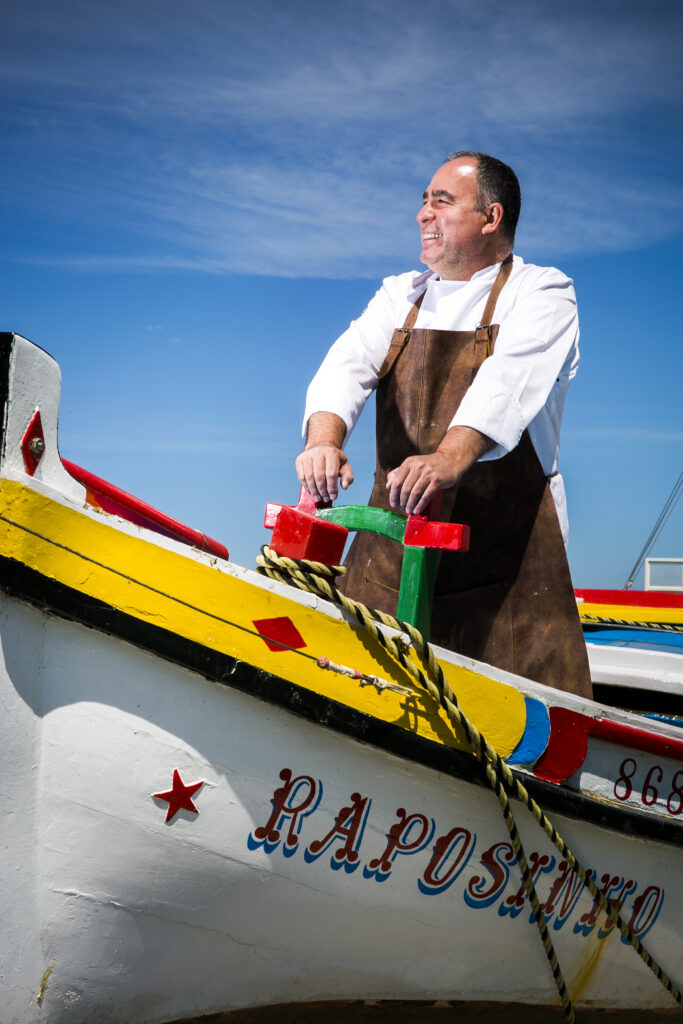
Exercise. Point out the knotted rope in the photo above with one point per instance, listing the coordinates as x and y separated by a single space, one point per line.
316 578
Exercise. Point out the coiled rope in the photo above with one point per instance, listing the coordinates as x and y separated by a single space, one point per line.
316 578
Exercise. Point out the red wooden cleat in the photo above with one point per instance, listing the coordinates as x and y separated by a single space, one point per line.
304 504
273 510
423 533
298 534
307 504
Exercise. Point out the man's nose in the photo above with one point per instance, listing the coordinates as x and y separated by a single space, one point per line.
424 213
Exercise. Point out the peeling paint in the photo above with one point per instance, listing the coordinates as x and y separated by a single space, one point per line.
43 983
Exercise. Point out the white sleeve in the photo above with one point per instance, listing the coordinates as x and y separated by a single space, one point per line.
536 345
349 372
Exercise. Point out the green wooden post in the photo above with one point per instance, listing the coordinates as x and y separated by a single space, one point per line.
418 575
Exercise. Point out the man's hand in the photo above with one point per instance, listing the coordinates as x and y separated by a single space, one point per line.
413 484
319 468
323 463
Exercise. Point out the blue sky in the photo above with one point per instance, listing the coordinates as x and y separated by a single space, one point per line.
196 199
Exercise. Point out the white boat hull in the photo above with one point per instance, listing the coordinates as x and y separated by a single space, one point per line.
129 918
636 668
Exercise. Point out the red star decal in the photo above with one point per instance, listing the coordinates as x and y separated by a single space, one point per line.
180 796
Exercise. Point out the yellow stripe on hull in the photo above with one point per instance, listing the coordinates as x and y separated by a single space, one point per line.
631 612
201 603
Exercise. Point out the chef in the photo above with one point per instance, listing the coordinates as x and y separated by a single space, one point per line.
471 361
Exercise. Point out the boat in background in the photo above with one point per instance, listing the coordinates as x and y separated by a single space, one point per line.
635 649
634 639
223 794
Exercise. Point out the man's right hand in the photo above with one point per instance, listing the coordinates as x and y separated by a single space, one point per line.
319 468
323 463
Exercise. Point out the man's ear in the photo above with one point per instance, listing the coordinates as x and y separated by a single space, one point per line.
494 217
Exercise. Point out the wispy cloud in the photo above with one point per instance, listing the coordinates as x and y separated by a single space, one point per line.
295 139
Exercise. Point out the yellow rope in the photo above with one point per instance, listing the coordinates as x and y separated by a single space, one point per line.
667 627
315 577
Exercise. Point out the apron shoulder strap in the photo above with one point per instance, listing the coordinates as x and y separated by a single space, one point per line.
412 315
501 280
400 338
485 333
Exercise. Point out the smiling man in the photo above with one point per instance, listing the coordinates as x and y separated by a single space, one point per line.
471 361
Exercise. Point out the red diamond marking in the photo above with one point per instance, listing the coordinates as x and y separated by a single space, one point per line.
279 634
31 443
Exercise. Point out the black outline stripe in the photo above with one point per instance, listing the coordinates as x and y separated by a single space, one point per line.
6 342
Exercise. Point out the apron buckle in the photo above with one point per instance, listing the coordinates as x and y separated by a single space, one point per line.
483 333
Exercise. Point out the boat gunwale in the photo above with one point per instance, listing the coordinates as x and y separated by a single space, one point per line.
662 731
52 596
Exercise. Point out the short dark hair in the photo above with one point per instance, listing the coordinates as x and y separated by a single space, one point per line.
496 183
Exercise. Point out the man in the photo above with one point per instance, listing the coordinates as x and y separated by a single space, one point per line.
470 394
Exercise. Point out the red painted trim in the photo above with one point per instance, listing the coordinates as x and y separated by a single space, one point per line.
567 745
640 739
644 598
119 503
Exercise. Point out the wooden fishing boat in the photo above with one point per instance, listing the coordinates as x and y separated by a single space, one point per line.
633 637
635 647
223 794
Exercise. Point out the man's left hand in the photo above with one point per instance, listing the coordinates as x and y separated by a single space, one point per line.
413 484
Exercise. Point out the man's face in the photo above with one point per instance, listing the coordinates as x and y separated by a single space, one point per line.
450 224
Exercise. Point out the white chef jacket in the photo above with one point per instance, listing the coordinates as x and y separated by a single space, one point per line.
523 385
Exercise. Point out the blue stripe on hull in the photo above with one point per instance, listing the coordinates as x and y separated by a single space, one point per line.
643 639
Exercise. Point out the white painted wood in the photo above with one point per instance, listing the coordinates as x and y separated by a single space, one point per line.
35 383
658 671
146 921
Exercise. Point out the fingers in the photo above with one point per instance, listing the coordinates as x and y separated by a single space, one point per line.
395 481
346 474
319 468
409 490
420 499
311 468
413 484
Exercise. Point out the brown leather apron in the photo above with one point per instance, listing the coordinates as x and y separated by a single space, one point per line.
508 601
